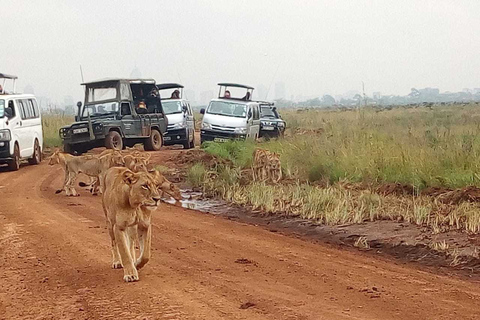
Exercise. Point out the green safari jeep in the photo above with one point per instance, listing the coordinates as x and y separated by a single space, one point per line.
117 113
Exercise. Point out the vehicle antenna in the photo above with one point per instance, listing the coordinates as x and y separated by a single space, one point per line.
81 73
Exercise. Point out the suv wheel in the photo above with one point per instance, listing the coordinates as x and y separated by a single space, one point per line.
114 141
154 142
14 164
37 154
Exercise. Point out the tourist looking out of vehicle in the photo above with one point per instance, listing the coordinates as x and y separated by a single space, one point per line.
227 94
142 108
175 94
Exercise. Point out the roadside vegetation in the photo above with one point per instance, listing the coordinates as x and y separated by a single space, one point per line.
334 162
51 124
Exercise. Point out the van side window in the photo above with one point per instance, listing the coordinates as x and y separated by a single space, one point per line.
189 109
36 113
255 113
31 111
125 109
24 109
21 109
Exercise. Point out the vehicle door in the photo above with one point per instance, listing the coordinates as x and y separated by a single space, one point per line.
23 128
130 122
31 124
190 122
255 125
38 129
15 123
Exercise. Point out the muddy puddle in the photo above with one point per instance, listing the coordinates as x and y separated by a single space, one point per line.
196 201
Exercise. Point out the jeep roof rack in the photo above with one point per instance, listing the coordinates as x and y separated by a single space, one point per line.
266 103
225 85
164 86
119 79
9 77
237 85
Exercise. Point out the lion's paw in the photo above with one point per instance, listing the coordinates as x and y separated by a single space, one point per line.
131 277
117 265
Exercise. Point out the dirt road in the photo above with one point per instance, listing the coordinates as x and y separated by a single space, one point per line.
55 264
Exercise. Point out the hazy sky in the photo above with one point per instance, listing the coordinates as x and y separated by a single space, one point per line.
318 46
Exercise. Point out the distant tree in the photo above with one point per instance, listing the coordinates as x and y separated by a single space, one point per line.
328 100
414 93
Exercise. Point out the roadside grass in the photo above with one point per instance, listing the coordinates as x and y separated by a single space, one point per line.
51 124
419 147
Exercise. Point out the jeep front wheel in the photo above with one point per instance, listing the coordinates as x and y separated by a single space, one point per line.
114 141
154 142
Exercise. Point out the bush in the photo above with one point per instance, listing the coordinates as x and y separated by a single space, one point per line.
196 175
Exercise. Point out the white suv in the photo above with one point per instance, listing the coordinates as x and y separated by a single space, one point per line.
20 128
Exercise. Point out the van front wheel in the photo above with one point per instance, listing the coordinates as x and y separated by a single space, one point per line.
37 154
14 164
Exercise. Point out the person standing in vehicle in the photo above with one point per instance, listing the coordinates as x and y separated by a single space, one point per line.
175 94
142 108
227 94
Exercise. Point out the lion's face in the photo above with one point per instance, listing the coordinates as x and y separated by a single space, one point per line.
143 190
54 158
136 164
166 186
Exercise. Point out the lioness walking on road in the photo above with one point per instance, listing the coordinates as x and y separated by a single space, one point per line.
128 201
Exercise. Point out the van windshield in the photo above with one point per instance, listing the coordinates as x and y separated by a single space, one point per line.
267 112
2 108
172 107
229 109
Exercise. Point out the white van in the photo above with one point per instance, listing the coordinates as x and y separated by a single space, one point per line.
181 121
229 118
21 134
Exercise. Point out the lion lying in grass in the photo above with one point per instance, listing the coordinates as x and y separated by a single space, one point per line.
90 165
266 166
128 200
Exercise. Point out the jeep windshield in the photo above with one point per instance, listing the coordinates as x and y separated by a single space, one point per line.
267 112
229 109
2 108
100 109
171 107
96 94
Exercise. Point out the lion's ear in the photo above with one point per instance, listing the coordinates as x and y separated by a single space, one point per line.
129 177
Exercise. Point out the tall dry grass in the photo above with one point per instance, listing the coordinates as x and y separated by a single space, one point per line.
422 147
51 124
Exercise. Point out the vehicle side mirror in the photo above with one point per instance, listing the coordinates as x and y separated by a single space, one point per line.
79 104
202 111
274 108
9 112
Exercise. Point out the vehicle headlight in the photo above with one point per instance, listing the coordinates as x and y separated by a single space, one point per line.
241 130
206 126
281 124
98 127
180 125
5 135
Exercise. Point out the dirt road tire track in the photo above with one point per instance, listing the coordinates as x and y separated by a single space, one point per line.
55 264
